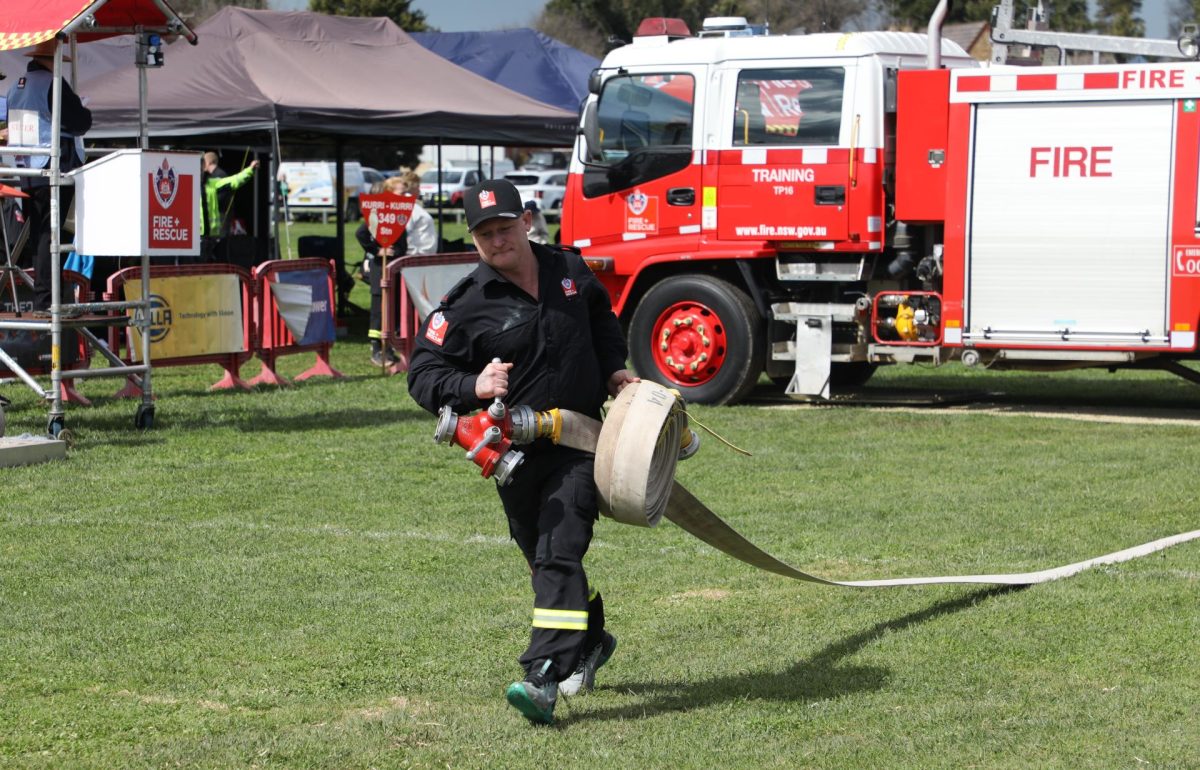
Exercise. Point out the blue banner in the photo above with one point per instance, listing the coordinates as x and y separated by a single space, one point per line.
308 315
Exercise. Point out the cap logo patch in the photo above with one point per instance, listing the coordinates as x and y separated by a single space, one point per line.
486 198
438 325
569 287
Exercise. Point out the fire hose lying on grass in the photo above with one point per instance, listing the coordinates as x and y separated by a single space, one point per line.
644 435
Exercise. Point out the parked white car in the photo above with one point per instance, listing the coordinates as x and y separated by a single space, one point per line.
455 181
310 187
547 188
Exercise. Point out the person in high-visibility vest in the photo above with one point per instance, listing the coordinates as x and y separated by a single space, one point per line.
215 182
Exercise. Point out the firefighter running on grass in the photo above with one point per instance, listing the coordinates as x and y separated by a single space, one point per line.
548 320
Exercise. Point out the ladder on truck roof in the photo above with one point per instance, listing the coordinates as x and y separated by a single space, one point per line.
1005 35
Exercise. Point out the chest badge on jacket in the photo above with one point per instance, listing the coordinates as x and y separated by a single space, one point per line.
569 287
436 333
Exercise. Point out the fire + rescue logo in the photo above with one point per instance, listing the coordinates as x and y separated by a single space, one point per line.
166 184
436 333
637 201
486 198
160 318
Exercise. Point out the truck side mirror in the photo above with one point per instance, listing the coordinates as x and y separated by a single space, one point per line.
590 131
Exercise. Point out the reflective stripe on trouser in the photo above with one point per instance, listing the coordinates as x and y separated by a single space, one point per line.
551 507
571 620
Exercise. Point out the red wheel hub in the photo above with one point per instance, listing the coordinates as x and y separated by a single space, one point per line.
689 343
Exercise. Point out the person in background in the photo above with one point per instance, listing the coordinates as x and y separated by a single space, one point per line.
539 231
375 259
548 321
218 193
421 230
31 95
420 237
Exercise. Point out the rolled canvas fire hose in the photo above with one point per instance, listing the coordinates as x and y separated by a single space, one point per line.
637 448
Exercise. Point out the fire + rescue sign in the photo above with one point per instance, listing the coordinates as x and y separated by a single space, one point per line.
170 222
135 202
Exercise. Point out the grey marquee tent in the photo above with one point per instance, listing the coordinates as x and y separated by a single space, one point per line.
306 74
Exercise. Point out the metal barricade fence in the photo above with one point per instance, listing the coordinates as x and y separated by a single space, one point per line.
230 347
294 307
402 314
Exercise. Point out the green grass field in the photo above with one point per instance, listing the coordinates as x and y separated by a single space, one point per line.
300 578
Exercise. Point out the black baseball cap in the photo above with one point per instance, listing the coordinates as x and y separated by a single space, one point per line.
489 199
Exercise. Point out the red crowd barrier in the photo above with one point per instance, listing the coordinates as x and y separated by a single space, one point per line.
401 325
231 362
14 341
263 331
275 337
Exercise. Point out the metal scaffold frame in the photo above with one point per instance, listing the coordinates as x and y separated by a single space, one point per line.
80 315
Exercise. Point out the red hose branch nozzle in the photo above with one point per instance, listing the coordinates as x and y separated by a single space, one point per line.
486 438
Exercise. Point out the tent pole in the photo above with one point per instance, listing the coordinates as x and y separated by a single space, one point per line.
56 298
282 204
441 219
340 246
339 180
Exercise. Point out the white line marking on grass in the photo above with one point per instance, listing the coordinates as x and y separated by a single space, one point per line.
1053 413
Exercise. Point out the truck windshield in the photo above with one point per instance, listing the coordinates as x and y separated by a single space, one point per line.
791 105
644 111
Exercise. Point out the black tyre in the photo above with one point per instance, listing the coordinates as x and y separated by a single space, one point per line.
701 335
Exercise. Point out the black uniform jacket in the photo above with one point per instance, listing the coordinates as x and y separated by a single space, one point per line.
563 345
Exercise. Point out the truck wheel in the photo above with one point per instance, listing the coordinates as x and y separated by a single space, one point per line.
700 335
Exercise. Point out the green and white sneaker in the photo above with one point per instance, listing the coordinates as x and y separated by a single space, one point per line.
535 696
583 679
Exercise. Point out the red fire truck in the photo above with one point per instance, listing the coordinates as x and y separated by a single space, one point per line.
814 206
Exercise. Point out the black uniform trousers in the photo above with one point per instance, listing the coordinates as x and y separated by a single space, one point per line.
375 325
551 507
37 210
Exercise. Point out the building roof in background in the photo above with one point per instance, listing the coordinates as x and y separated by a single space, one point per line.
973 36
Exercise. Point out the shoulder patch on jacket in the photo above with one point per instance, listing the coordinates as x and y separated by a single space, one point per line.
438 326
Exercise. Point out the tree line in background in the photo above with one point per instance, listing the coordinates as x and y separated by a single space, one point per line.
595 26
590 25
